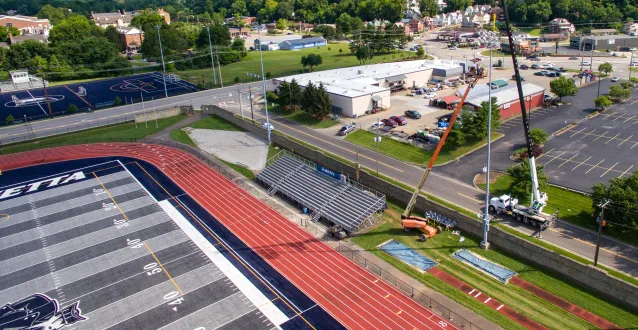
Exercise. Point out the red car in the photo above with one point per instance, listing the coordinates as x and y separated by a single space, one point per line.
389 122
399 120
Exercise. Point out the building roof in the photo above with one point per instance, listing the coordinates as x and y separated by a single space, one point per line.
606 37
360 80
594 31
505 95
499 83
304 41
36 37
128 30
450 99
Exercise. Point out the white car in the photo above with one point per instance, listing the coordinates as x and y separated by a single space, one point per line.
547 65
633 49
585 63
265 126
614 79
430 95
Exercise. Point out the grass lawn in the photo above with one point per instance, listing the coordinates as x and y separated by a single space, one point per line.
118 131
495 52
531 31
441 247
574 207
284 62
240 169
216 123
181 136
303 118
408 152
75 81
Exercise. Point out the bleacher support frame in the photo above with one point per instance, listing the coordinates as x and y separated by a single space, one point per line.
273 188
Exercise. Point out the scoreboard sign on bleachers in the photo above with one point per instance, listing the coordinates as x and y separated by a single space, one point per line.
328 172
19 76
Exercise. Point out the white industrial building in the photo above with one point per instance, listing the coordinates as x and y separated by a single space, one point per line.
357 90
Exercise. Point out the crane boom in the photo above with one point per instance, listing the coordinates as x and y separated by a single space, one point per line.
408 210
537 199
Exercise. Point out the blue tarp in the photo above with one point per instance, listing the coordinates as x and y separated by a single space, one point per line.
499 272
407 255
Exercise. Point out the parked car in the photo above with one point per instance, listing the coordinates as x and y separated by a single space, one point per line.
561 69
413 114
346 129
430 95
547 65
524 67
452 48
614 79
547 98
541 73
614 54
534 66
585 63
389 122
553 74
633 49
265 126
514 77
399 120
574 58
533 58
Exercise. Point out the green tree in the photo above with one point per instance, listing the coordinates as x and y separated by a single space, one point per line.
9 119
363 54
237 80
219 36
53 14
454 5
4 33
625 85
239 8
311 60
147 19
347 24
563 86
326 31
475 122
420 52
634 80
281 24
538 136
118 101
428 7
622 194
618 93
289 95
72 109
605 68
72 29
602 102
521 179
113 36
171 42
456 137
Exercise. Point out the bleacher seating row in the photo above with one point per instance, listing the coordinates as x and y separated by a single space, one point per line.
8 86
334 200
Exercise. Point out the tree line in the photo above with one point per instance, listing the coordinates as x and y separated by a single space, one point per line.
313 99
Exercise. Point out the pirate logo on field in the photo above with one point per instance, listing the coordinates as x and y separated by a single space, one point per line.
38 312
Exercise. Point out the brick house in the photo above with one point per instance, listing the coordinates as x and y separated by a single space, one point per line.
122 18
26 24
131 37
416 25
561 25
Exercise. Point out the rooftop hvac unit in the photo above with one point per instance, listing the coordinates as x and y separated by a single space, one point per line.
360 72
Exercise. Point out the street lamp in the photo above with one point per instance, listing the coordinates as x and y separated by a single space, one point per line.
263 79
159 37
212 58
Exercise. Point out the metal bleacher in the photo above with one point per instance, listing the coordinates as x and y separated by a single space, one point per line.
343 202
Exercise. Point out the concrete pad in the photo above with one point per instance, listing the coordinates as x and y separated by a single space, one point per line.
231 146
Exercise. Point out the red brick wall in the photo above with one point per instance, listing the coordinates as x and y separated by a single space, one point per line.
515 107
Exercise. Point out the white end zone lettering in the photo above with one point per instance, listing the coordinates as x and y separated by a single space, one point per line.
35 186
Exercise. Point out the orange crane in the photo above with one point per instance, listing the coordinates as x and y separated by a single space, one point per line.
408 221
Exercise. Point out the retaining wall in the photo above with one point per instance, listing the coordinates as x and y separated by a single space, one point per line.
587 276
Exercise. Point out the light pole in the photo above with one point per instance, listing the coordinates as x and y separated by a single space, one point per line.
155 114
631 62
144 110
377 139
600 229
212 58
263 79
486 214
159 37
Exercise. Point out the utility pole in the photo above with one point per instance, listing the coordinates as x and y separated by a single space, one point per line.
155 113
591 57
212 58
46 95
144 110
486 214
241 110
250 96
159 37
600 230
631 62
376 139
263 79
134 113
219 67
356 165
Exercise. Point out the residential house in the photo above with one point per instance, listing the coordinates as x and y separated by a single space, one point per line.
412 14
630 27
301 26
561 25
553 37
247 20
442 4
37 37
442 20
131 37
239 32
402 26
456 18
416 25
604 32
377 24
122 18
428 22
26 24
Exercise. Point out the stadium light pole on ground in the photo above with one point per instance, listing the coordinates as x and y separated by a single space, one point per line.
144 110
263 79
486 214
155 113
212 57
159 37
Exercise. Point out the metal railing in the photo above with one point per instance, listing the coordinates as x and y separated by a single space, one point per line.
303 221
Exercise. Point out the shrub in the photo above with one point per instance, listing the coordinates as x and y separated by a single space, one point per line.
72 109
268 75
538 136
118 101
9 119
340 50
237 80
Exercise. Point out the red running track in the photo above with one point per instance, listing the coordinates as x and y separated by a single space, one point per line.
353 296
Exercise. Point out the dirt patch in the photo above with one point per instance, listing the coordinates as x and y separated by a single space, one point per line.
480 178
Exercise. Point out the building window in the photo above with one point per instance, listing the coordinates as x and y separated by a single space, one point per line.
9 24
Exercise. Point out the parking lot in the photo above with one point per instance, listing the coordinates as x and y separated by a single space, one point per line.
596 150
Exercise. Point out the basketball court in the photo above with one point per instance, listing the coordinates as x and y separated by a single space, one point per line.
37 103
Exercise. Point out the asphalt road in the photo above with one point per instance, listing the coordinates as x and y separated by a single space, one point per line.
441 183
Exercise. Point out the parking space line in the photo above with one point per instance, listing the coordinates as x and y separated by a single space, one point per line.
587 134
554 157
620 117
610 139
630 118
625 172
594 166
569 160
545 153
609 169
625 140
581 163
599 136
611 113
584 128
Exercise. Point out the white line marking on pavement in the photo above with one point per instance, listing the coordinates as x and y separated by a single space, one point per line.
594 166
609 169
581 163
